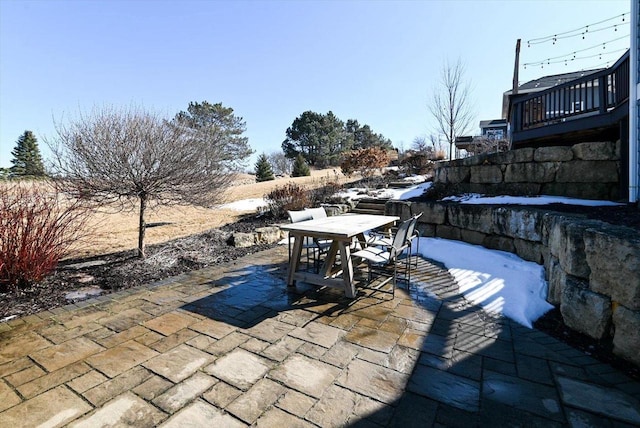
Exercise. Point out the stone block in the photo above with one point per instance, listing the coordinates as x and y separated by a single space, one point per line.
472 217
605 150
613 256
553 154
440 174
401 209
483 159
432 211
556 280
514 156
528 250
268 235
585 311
559 280
543 172
448 232
626 340
472 237
242 240
580 190
588 172
566 242
458 174
501 243
518 223
426 230
491 174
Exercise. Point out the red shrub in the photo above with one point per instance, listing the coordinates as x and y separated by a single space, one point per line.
37 226
290 197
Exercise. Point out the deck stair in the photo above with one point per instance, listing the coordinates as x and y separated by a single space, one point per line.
370 206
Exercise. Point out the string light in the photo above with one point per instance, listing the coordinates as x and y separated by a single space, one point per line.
550 61
573 54
582 31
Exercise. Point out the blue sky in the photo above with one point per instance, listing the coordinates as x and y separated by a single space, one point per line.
374 61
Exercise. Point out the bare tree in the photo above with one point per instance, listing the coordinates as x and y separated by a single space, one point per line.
111 156
451 106
420 145
281 164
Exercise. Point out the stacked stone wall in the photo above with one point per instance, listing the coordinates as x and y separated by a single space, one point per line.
585 170
592 267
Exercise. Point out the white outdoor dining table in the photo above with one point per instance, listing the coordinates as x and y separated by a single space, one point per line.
341 230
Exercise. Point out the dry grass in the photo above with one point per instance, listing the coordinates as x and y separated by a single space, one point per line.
118 231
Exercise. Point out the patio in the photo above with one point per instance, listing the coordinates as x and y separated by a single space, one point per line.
233 346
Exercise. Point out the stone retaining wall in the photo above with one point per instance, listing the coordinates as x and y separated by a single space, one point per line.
586 170
593 268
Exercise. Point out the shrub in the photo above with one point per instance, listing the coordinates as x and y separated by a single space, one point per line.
285 198
326 193
37 227
263 169
300 167
366 161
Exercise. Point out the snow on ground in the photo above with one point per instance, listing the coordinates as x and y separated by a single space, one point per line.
405 193
478 199
245 204
500 282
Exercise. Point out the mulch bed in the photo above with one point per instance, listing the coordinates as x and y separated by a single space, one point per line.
118 271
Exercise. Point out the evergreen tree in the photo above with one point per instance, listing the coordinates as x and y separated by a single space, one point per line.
27 161
263 169
300 167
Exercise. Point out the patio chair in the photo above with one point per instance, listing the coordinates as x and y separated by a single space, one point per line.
316 212
314 247
384 261
378 239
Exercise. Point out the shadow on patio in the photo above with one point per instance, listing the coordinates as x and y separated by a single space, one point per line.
427 357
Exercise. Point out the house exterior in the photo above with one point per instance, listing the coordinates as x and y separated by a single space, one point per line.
589 106
495 129
634 105
493 138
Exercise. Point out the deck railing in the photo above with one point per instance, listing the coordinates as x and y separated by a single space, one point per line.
595 95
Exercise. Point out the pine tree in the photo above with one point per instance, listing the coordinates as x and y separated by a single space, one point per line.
263 169
27 161
300 167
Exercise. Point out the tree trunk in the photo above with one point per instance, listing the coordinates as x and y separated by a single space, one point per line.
142 225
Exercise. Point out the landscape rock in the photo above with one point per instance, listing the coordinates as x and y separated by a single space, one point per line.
553 154
543 172
472 217
523 224
626 341
556 279
515 156
528 250
458 174
565 237
448 232
501 243
613 255
588 172
267 235
432 211
242 240
595 151
486 174
585 311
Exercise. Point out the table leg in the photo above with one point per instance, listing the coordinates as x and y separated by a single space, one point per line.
330 260
295 259
347 269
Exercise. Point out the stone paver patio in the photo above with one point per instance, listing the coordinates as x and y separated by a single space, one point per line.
232 346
